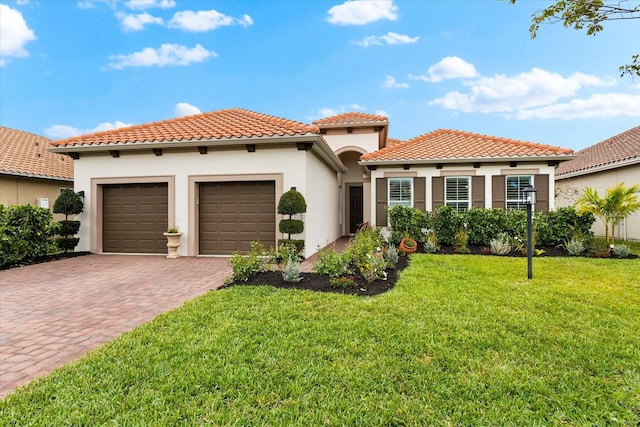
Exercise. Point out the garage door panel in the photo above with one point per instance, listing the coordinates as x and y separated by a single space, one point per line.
232 214
134 218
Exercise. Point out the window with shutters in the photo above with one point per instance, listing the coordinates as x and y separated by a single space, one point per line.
457 192
400 192
515 185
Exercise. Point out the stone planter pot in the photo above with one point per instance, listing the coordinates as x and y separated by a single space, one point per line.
173 243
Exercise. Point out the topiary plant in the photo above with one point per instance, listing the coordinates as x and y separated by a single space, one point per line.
291 203
68 203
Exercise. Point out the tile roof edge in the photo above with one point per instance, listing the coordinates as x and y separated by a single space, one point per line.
601 167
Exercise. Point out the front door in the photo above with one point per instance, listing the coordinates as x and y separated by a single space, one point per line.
356 210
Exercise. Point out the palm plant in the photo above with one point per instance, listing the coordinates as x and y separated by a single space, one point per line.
618 203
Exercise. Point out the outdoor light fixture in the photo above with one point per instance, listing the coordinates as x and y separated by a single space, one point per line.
529 194
80 193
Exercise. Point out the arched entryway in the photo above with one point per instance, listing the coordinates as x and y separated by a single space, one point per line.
354 191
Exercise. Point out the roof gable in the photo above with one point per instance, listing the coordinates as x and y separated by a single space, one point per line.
624 147
215 125
447 144
25 154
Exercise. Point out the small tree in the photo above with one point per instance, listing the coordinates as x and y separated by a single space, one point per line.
292 203
618 203
68 203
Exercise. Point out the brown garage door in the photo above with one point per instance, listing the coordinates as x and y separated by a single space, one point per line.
134 218
233 214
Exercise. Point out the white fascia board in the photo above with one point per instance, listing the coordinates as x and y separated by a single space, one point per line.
465 160
601 168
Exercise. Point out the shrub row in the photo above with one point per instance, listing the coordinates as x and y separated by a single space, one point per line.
482 225
26 232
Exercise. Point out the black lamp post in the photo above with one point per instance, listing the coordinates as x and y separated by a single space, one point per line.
529 194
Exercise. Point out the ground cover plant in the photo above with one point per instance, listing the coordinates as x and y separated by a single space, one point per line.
460 340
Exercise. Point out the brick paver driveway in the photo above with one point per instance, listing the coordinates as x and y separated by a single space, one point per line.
53 313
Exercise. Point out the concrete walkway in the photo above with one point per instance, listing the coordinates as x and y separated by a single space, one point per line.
53 313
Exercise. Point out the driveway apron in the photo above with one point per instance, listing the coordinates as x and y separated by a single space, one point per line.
53 313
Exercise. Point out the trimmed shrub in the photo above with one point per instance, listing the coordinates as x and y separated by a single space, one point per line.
408 222
291 203
446 223
298 244
559 226
291 226
246 266
68 203
26 232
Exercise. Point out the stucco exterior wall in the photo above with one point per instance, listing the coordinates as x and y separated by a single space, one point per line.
363 138
321 193
287 165
485 170
568 190
15 190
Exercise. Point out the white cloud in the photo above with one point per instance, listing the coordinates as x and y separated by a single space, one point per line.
390 38
506 94
391 83
90 4
14 33
597 106
206 20
449 67
356 12
148 4
65 131
328 112
166 55
184 109
381 113
138 21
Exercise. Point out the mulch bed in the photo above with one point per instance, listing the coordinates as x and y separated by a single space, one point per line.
318 283
44 258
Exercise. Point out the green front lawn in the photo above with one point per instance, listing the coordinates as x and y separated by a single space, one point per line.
460 340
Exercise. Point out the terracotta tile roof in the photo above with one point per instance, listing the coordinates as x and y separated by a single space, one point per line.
353 118
25 154
620 148
393 141
453 144
214 125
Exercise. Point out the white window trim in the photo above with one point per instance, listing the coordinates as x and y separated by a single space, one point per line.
389 180
520 202
468 200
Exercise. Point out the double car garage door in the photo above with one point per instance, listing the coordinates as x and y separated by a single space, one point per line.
231 215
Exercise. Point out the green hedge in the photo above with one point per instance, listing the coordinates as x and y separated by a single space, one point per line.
26 232
552 228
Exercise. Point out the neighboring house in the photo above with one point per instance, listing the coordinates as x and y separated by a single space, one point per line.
601 166
218 176
29 174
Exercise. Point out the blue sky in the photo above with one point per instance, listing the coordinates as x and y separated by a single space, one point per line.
72 67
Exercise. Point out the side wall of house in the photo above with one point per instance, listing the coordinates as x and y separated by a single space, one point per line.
182 170
568 190
322 221
487 175
15 190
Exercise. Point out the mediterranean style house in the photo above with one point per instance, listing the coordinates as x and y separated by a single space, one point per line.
29 174
218 177
601 166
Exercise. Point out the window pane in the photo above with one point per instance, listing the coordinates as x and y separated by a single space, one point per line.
457 193
400 192
515 185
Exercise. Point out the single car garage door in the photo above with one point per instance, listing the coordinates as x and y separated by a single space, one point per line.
134 218
233 214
